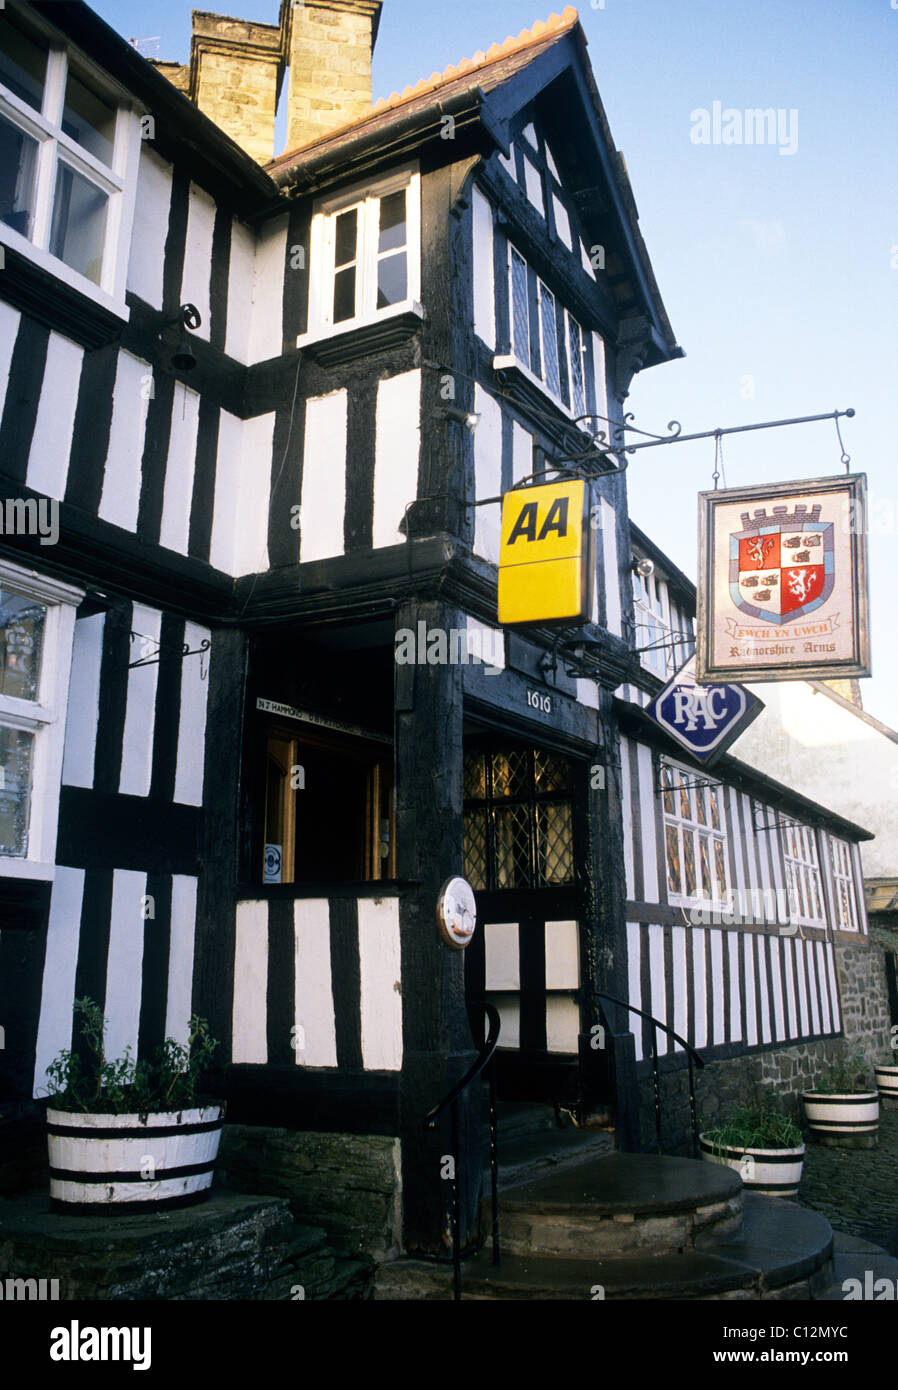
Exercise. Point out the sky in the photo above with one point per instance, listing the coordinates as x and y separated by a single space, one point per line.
777 263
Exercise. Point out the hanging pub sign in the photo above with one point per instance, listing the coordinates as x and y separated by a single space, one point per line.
703 719
782 591
545 559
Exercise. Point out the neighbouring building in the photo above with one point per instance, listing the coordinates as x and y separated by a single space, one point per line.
254 412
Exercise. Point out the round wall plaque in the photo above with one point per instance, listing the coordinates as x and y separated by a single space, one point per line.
456 912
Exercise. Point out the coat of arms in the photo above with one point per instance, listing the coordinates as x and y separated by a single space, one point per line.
782 566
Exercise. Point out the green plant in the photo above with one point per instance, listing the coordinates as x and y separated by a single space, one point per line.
845 1076
754 1127
83 1079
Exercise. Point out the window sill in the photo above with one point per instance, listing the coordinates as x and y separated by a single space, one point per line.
47 290
13 867
332 347
533 392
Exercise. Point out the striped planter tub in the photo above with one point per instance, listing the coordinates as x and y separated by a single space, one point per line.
771 1172
131 1163
887 1081
843 1115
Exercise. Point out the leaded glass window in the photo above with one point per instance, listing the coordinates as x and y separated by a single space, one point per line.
518 818
694 836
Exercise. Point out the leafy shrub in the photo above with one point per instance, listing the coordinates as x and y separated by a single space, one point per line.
845 1076
754 1127
83 1079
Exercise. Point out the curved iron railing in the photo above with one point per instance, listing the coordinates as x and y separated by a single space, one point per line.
693 1058
450 1101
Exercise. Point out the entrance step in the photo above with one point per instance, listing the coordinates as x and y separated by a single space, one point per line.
866 1264
517 1120
539 1155
622 1204
784 1252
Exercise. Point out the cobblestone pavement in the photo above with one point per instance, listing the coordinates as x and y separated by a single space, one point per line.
857 1189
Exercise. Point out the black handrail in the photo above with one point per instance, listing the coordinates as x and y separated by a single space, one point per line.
484 1059
692 1058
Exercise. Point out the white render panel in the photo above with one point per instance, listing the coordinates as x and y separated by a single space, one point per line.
810 957
735 992
833 987
83 709
562 222
313 994
396 453
647 802
611 567
179 1002
51 443
598 361
562 955
588 693
521 453
174 531
189 767
487 474
509 1006
151 214
380 968
9 329
323 499
586 262
700 987
239 542
197 275
120 497
508 163
751 1005
484 288
736 838
54 1030
534 185
562 1024
803 1013
717 987
485 644
266 339
820 953
124 961
790 985
776 972
241 284
627 812
502 956
658 1007
553 167
680 984
766 1021
140 710
250 1014
634 990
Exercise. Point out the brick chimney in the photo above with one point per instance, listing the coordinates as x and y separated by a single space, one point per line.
236 70
329 44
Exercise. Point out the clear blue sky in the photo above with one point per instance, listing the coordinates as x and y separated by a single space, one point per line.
778 268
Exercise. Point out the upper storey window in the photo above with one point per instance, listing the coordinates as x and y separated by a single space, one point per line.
365 253
546 338
67 155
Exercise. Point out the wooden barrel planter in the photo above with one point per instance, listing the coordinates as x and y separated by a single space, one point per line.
850 1119
887 1082
131 1163
770 1172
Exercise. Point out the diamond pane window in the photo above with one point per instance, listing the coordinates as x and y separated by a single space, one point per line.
843 882
803 874
518 818
520 308
575 338
694 837
475 777
549 339
554 843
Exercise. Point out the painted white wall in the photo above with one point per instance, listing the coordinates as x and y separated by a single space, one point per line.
521 453
151 214
84 702
508 164
484 288
313 987
140 709
175 528
239 543
54 1030
380 966
562 1024
124 961
323 497
250 1012
9 328
190 764
241 288
502 955
196 278
487 474
51 443
611 567
562 955
179 1000
120 498
534 186
562 222
634 981
266 337
397 449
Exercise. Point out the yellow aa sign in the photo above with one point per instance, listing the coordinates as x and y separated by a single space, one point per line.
545 568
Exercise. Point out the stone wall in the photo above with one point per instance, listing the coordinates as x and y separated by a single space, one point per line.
330 67
347 1184
774 1075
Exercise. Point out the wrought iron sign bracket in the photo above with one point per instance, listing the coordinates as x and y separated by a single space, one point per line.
771 825
177 651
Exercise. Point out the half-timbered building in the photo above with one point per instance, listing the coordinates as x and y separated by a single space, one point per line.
255 703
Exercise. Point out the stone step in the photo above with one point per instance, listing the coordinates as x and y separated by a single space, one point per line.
519 1119
866 1264
783 1253
622 1204
536 1155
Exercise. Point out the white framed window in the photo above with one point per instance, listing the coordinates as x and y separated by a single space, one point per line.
69 148
803 880
37 619
695 837
844 887
651 622
365 255
546 339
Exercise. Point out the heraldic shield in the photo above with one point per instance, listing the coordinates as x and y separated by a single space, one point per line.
782 566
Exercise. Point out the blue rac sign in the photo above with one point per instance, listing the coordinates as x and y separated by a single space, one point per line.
704 719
